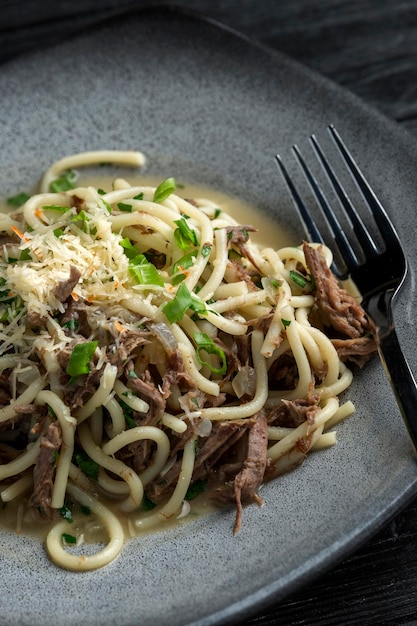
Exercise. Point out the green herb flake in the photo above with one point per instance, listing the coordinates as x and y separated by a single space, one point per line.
64 183
194 490
128 414
184 236
217 213
285 323
18 200
205 344
25 255
81 220
69 539
140 196
66 513
205 250
183 301
298 279
86 465
130 250
80 358
71 324
123 206
164 190
144 272
182 264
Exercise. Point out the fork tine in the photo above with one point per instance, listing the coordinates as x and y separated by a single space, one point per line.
385 225
340 238
367 244
312 232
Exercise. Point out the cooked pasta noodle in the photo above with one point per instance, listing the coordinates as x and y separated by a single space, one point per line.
151 352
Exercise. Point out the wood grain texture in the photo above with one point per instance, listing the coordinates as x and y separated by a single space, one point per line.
370 47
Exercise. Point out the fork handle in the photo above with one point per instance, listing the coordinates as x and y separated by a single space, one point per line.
399 375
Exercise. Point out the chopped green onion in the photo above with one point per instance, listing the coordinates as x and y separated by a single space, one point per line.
123 206
206 249
64 182
165 189
130 250
70 539
217 212
140 196
183 300
79 362
144 272
82 220
17 200
285 323
204 343
184 235
25 255
66 513
182 264
298 279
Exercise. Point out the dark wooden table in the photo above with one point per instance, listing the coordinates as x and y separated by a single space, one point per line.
370 47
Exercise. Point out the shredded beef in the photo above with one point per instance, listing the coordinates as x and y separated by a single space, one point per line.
338 308
44 471
76 311
121 350
283 373
293 413
145 388
357 350
241 273
210 450
243 488
64 288
175 374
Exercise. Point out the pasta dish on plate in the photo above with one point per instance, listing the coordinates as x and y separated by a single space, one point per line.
152 353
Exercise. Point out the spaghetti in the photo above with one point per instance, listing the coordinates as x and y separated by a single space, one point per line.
150 351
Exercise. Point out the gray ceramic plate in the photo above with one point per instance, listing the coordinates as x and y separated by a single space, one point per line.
206 105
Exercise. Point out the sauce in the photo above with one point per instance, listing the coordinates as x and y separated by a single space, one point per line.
17 516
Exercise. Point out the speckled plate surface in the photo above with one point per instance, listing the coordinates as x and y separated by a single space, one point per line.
209 106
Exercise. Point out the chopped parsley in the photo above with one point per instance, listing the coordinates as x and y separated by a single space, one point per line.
86 465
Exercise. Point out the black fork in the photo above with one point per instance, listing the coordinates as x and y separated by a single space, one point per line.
378 273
